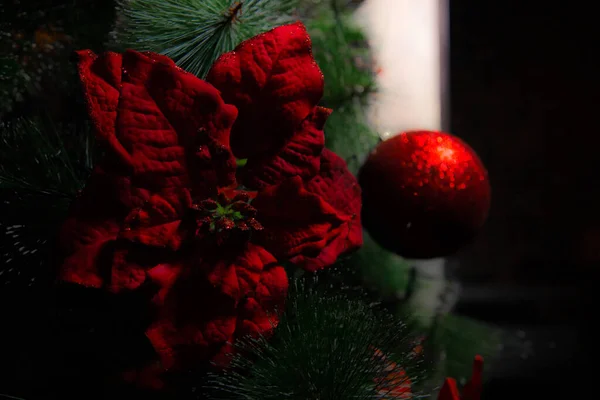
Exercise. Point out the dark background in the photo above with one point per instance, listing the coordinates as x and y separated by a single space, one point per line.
524 94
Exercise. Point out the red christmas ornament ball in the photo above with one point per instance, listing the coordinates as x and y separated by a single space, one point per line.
425 194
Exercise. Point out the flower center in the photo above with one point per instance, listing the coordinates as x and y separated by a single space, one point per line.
226 214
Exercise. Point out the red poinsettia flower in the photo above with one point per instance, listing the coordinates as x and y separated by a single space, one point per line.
471 391
168 207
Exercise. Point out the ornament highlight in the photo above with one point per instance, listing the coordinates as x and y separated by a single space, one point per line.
425 194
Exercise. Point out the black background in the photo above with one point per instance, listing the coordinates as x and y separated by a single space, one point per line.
524 94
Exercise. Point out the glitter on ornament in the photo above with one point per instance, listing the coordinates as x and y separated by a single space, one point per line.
425 194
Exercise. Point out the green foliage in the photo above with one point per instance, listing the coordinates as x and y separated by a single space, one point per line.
41 169
343 55
194 33
348 134
459 339
40 157
341 50
384 271
323 348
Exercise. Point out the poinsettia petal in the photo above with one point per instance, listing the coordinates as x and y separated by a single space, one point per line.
88 264
134 264
175 128
258 314
240 276
87 237
339 188
169 130
168 235
126 274
312 222
336 184
274 82
293 217
165 136
272 288
261 312
101 79
299 156
191 314
202 311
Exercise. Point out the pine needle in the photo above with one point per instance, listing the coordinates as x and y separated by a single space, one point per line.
194 33
342 52
324 348
41 169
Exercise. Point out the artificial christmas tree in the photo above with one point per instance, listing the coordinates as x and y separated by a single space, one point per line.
207 243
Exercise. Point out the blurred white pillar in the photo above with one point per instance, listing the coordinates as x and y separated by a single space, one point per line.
410 40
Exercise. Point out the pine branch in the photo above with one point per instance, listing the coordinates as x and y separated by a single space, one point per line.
342 52
324 348
194 33
348 134
41 169
387 273
40 157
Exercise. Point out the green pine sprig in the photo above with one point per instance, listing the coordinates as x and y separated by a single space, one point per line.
323 348
194 33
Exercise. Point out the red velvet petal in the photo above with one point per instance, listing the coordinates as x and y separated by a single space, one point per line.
259 314
168 131
294 219
126 273
241 276
86 263
300 156
165 136
86 239
101 79
312 222
274 82
339 188
200 314
175 128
